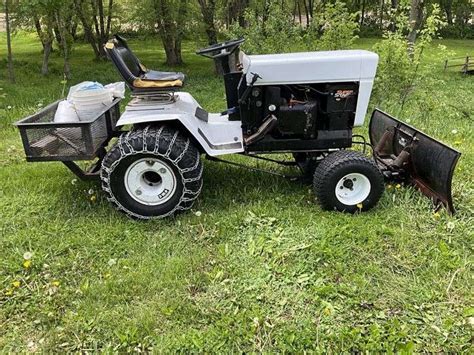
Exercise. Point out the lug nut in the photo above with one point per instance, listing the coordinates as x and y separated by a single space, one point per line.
138 192
162 170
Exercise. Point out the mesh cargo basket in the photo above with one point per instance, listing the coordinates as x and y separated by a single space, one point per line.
46 140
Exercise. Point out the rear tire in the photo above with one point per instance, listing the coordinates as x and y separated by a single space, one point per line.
153 172
348 181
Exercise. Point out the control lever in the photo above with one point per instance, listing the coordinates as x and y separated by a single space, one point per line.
249 88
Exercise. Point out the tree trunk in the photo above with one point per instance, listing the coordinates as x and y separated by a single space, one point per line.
45 34
294 12
171 29
89 34
101 18
311 8
306 10
449 16
96 30
39 31
47 49
236 10
65 46
416 15
172 51
243 6
362 14
182 13
300 19
394 6
265 14
109 17
208 11
448 8
11 72
73 30
382 9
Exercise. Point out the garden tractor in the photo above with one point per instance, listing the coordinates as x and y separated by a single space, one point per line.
302 104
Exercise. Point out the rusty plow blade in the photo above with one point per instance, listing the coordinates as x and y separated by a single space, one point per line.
405 154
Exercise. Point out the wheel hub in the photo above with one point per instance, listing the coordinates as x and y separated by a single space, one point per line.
348 184
353 189
150 181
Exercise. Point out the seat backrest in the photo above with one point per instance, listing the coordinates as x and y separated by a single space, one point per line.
124 60
122 43
129 60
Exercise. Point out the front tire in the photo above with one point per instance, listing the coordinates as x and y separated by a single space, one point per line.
348 181
153 172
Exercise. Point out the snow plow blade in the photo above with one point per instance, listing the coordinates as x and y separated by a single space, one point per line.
406 154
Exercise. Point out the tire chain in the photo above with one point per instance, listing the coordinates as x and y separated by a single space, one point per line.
153 140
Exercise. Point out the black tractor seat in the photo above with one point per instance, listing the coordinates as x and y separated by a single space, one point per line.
140 79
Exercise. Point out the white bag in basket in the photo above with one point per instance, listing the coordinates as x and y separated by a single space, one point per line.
84 86
65 113
117 89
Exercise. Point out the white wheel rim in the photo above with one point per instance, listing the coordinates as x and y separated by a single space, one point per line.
353 189
150 181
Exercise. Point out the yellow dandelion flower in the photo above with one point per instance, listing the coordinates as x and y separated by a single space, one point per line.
27 264
359 206
93 198
327 311
436 215
389 186
9 292
398 186
55 283
16 284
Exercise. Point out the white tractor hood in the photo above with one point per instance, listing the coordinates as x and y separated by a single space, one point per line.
310 67
316 67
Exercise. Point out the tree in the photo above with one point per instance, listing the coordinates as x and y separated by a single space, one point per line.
11 73
52 21
447 6
269 35
332 28
170 17
44 29
362 14
96 21
235 10
415 18
64 43
208 11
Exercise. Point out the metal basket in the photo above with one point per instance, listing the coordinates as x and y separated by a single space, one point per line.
45 140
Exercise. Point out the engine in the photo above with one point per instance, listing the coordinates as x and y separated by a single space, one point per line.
314 116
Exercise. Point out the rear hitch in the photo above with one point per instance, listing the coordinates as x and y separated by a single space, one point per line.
405 154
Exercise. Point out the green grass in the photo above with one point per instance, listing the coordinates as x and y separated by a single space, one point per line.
260 268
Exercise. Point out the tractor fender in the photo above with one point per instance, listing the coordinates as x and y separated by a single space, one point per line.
214 133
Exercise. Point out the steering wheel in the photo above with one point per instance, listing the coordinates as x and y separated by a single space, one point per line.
220 50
